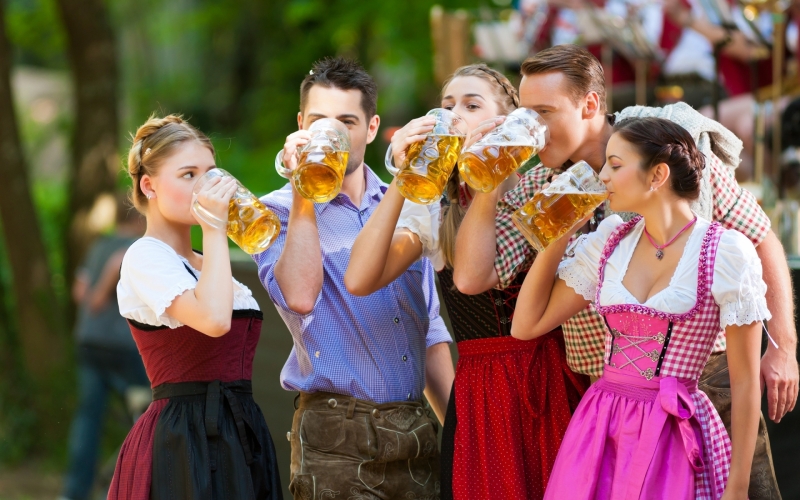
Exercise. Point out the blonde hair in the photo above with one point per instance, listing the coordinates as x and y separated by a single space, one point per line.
153 142
507 100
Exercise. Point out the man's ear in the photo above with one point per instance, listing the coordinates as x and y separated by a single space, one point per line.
372 128
299 121
591 105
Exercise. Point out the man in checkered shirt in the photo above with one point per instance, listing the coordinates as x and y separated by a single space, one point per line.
566 86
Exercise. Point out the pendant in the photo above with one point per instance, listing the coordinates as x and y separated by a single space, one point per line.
659 254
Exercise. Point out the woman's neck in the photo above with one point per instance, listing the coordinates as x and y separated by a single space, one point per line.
178 236
666 217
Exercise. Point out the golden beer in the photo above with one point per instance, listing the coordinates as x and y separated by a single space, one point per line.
320 173
429 164
549 216
486 167
321 162
551 213
251 225
499 153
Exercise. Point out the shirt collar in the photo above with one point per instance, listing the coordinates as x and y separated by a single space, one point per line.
375 189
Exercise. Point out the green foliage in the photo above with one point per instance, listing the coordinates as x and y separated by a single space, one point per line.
234 68
35 32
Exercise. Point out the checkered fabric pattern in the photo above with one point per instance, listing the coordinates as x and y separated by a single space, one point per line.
690 345
584 334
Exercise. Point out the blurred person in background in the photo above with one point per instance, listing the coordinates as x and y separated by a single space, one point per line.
745 64
107 356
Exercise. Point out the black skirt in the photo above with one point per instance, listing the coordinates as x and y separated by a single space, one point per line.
211 442
448 447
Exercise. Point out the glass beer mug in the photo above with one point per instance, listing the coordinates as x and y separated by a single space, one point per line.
321 163
251 225
554 211
488 162
429 162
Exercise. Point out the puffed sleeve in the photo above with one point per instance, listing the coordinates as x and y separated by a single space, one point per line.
738 286
152 276
579 269
424 221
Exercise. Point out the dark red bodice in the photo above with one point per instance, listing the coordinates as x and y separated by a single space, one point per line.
183 354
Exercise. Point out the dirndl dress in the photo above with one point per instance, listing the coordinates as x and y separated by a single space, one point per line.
510 404
203 436
644 430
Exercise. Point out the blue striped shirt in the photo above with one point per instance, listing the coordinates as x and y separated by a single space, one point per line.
370 347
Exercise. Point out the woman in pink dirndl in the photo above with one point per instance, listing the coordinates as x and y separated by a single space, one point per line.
669 286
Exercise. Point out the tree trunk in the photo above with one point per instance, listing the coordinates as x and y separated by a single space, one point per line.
37 312
95 161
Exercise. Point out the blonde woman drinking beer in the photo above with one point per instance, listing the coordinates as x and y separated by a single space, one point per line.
502 430
196 327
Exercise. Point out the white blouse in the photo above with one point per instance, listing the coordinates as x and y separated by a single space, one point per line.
152 275
738 288
424 221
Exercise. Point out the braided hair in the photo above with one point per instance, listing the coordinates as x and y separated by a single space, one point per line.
153 142
658 140
507 100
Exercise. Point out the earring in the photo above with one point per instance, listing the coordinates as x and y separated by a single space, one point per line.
652 188
150 196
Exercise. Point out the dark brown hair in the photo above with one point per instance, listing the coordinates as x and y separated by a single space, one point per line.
661 141
343 74
582 70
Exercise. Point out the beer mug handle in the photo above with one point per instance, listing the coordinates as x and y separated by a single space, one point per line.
389 162
282 171
202 213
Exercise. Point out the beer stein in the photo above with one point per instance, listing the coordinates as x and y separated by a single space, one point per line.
488 162
250 224
321 163
430 162
554 211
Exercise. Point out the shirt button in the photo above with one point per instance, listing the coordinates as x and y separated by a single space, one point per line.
405 358
498 301
396 320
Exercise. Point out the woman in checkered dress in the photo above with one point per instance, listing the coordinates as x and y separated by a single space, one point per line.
669 285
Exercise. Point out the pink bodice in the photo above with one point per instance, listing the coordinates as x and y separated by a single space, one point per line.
654 343
638 342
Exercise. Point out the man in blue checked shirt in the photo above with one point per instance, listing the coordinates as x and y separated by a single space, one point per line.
361 364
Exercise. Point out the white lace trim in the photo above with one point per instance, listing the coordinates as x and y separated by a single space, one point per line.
744 312
576 280
576 274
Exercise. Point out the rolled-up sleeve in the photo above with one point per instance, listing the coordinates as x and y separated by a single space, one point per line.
735 207
266 260
437 331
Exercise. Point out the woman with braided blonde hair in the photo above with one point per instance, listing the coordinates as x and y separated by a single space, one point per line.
196 328
511 400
